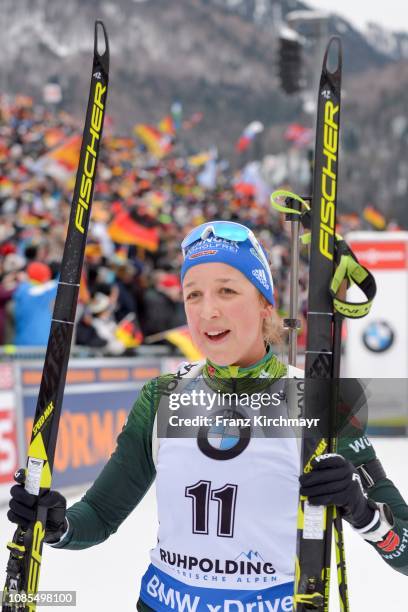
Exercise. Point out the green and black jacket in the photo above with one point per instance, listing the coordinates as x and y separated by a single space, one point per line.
130 471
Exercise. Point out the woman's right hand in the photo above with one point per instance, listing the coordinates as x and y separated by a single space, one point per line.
23 509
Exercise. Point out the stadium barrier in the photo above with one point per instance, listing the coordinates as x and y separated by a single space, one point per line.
98 396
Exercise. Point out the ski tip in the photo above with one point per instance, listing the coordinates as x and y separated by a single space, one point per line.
101 44
333 57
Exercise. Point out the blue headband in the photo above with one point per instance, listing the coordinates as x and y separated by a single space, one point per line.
239 255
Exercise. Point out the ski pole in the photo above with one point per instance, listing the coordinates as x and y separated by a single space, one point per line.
293 323
23 569
315 524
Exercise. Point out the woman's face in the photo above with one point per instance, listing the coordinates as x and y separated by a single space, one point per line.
224 314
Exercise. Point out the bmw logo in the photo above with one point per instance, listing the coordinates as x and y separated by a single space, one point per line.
378 336
224 441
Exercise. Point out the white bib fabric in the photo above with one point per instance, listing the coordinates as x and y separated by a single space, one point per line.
227 525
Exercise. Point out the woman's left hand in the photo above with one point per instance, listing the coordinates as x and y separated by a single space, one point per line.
334 480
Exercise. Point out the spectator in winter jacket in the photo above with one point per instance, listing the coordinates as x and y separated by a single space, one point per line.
97 327
163 306
33 305
13 266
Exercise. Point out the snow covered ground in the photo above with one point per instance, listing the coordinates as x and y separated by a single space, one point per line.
107 577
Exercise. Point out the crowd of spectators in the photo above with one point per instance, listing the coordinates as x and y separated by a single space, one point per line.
121 282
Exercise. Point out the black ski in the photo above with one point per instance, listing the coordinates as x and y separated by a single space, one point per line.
315 524
23 568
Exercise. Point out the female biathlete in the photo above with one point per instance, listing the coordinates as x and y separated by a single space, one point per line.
227 492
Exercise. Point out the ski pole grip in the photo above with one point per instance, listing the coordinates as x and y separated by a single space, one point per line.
295 205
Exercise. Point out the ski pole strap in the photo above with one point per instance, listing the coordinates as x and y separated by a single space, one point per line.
304 213
371 472
348 268
282 193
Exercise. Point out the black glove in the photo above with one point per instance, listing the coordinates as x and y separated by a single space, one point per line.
334 480
22 509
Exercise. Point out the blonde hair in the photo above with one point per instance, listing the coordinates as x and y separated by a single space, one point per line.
272 327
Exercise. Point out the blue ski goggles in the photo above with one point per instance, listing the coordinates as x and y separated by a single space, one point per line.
234 233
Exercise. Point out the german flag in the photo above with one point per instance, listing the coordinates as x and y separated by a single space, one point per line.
124 230
157 143
67 154
6 185
166 125
84 296
181 337
200 159
119 143
374 217
128 332
53 136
